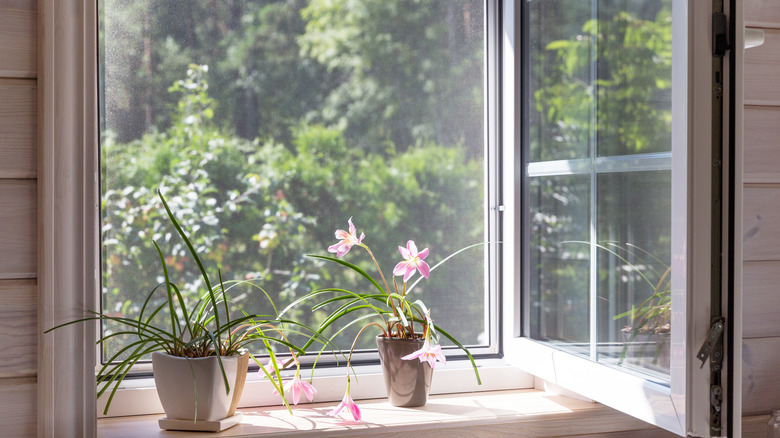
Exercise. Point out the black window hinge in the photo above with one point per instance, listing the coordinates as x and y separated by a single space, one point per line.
712 344
720 29
712 349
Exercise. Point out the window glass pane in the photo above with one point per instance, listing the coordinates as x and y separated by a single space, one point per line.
559 116
269 124
598 142
599 77
632 76
634 261
559 268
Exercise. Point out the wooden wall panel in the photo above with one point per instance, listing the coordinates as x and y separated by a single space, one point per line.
755 426
762 64
19 36
761 222
18 328
762 13
18 229
18 128
19 407
762 144
761 299
760 376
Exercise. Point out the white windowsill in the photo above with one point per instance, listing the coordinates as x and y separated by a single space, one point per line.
139 396
525 412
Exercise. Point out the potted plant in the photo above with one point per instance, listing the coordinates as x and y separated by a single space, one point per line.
198 349
408 340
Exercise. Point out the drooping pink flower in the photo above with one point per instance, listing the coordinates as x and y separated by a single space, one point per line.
347 240
428 352
296 385
269 367
348 403
413 261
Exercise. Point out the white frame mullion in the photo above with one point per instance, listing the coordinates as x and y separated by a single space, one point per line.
617 163
593 139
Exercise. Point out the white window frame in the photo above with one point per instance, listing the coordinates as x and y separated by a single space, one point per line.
69 242
683 406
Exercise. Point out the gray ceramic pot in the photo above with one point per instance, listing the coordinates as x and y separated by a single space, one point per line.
407 381
191 389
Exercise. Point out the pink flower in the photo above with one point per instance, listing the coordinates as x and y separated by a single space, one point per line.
269 367
298 386
347 402
413 261
347 240
428 352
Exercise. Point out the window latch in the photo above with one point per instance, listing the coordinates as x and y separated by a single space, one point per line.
720 42
712 343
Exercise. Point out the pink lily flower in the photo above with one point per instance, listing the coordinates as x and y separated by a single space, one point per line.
428 352
347 240
413 261
269 367
297 386
348 403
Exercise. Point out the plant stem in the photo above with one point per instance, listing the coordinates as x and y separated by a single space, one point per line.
387 287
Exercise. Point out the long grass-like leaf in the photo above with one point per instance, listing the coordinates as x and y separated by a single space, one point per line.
174 319
122 377
350 266
194 255
409 289
219 359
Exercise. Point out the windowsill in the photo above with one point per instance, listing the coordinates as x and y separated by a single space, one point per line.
527 412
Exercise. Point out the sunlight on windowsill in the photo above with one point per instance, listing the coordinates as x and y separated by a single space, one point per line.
514 413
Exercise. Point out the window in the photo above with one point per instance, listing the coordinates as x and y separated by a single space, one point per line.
591 196
269 124
598 143
70 259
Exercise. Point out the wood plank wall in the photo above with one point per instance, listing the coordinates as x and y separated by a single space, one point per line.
761 238
18 220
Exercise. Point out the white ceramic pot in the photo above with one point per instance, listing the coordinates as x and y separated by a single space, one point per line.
194 389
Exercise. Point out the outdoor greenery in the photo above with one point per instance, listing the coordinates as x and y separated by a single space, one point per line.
268 124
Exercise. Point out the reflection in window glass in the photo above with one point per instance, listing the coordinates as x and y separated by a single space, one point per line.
269 124
598 145
559 271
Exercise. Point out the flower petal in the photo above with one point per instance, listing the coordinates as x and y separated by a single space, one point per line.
422 254
337 410
352 229
425 270
400 268
308 389
296 391
355 410
414 355
404 252
412 248
410 270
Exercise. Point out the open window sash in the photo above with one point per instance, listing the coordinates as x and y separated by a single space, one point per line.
682 403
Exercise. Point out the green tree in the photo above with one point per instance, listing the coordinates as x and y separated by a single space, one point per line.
404 66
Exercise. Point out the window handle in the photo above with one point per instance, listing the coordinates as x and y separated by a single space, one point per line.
753 38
